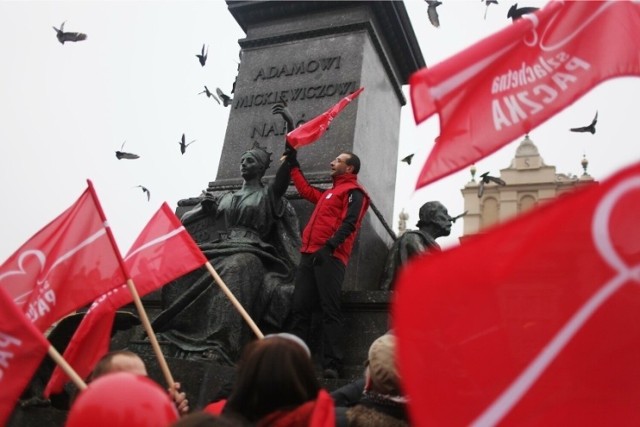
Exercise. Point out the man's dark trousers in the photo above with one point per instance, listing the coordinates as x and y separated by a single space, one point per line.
319 282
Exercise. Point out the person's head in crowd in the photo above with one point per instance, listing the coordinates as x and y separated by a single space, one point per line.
274 373
122 399
128 361
381 375
119 361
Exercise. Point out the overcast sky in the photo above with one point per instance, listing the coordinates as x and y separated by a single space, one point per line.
66 109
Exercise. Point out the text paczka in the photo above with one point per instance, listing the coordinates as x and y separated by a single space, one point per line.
7 351
513 108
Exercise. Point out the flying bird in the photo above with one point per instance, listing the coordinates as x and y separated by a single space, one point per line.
454 218
145 190
433 13
124 155
485 178
202 57
70 36
515 13
184 144
407 159
226 99
209 94
591 128
489 2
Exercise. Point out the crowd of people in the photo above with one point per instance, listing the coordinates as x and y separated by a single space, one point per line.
275 386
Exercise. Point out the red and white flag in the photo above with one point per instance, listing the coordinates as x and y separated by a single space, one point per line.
22 348
312 130
507 84
64 266
534 322
163 251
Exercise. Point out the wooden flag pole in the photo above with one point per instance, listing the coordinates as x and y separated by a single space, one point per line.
64 365
234 301
152 336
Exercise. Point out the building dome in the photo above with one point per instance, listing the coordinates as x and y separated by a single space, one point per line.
527 148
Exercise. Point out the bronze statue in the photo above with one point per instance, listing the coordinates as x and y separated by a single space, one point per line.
256 257
434 222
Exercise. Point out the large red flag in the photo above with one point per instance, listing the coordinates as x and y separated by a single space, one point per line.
163 251
312 130
511 82
64 266
22 348
534 322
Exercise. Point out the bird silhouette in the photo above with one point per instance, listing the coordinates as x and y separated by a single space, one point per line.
591 128
488 3
70 36
407 159
514 13
454 218
124 155
209 94
226 99
145 190
184 144
485 178
202 57
433 13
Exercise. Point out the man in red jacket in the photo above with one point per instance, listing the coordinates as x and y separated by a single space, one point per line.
327 241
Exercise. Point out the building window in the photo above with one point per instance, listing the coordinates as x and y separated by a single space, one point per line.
527 202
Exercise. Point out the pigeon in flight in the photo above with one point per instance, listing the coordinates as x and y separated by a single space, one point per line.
591 128
485 178
433 13
70 36
145 190
454 218
226 99
407 159
489 2
124 155
184 144
203 56
209 94
515 13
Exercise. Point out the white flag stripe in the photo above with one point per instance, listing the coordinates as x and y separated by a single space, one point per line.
461 78
75 250
157 240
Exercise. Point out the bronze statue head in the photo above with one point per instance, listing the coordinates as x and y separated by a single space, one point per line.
262 156
434 215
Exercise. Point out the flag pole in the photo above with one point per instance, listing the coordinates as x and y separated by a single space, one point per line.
134 293
152 336
64 365
234 301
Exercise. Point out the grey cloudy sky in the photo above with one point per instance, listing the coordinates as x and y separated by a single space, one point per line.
65 110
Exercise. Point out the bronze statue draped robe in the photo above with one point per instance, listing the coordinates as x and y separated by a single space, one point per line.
256 259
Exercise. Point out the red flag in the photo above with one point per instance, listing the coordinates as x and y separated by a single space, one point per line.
312 130
539 326
66 265
22 348
163 251
509 83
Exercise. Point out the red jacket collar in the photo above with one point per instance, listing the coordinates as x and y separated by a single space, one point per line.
345 178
